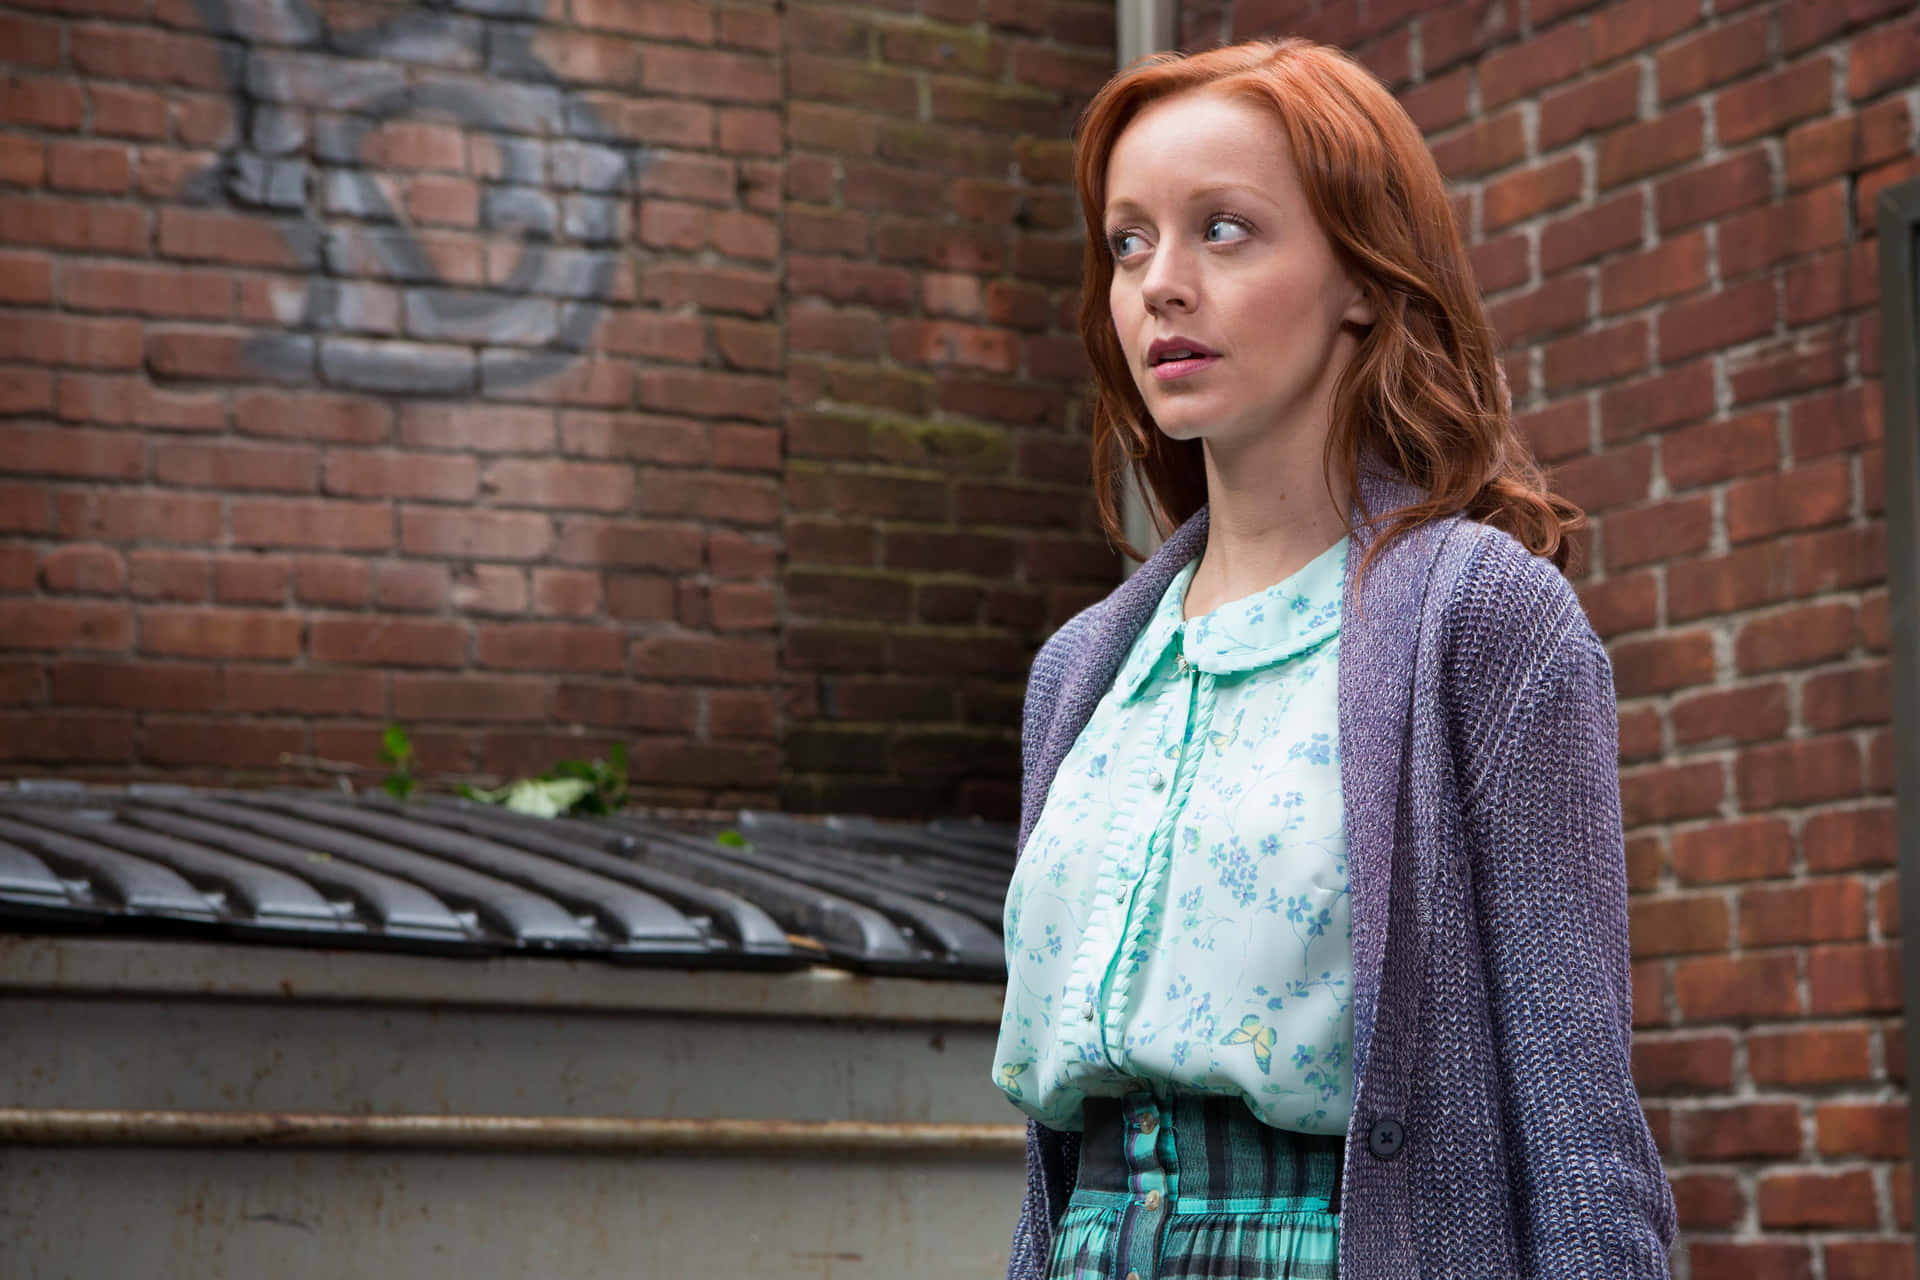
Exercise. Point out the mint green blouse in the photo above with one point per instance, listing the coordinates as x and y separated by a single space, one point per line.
1180 911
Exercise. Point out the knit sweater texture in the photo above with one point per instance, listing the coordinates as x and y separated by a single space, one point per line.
1492 1005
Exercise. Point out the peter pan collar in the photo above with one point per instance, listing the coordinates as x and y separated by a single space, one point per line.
1288 618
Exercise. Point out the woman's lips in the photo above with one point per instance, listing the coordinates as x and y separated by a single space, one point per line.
1167 370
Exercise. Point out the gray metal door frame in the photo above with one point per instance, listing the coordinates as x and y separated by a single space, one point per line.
1899 230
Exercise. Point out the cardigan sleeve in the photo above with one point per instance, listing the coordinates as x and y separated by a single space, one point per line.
1542 810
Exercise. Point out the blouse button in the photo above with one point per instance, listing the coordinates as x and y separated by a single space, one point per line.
1152 1201
1157 780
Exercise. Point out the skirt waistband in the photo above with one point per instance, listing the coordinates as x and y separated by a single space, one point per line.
1219 1153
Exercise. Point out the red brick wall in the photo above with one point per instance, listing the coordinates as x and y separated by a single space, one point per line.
539 373
1670 205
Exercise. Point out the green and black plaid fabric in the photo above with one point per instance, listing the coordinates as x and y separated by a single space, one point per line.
1193 1187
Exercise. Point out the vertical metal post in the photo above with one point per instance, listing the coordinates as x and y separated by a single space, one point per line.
1899 219
1142 27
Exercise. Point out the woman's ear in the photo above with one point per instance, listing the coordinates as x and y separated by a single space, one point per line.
1360 310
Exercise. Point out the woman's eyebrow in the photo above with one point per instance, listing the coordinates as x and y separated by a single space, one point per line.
1197 196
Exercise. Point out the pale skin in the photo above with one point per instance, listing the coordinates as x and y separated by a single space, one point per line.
1215 245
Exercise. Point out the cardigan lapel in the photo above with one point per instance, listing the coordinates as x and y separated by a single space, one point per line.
1379 646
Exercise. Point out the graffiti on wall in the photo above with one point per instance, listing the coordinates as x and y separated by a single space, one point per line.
507 290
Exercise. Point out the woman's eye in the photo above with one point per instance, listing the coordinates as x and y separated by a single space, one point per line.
1124 243
1224 230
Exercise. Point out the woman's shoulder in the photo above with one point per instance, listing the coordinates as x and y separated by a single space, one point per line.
1500 594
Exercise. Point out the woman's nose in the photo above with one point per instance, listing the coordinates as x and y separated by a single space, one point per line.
1169 282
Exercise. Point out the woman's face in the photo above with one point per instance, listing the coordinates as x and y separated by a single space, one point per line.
1217 255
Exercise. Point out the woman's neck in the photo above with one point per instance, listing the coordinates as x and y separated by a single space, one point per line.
1269 516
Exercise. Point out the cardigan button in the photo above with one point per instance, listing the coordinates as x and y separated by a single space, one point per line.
1386 1137
1157 780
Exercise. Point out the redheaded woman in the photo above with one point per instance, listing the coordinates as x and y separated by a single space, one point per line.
1317 944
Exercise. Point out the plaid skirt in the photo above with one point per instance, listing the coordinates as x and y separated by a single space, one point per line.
1194 1187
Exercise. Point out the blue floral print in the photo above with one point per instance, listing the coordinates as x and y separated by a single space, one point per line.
1180 913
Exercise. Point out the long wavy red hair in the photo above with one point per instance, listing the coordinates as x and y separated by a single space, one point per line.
1424 391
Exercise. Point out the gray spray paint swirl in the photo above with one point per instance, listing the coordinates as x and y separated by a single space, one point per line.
561 172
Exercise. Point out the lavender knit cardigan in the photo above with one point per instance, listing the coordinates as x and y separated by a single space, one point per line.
1491 999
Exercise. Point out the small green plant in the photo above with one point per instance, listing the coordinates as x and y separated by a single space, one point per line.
732 839
572 787
396 752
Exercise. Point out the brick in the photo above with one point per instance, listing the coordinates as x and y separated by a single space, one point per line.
392 474
251 579
1460 31
1517 70
73 451
1808 496
1671 793
1596 103
1712 452
1708 191
1680 395
1859 696
477 534
1747 713
1849 839
574 593
1802 224
1482 146
1619 604
316 416
235 239
1722 53
1743 849
144 290
318 523
1784 366
1659 531
1870 1260
1765 104
1810 1057
1602 481
47 339
1707 1201
25 277
1747 1131
1831 283
1831 148
1869 1130
383 642
83 569
1678 925
1889 59
1826 910
193 352
1719 320
1501 263
234 465
135 686
1671 269
629 544
41 102
185 632
1438 102
1800 771
1853 979
1638 150
67 738
1592 233
91 168
1684 1064
1620 29
139 516
1597 356
343 582
168 575
1809 1200
1797 637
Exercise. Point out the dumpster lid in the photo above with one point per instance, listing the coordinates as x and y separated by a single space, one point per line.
458 877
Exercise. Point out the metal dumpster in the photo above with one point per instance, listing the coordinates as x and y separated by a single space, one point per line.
293 1034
